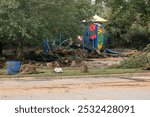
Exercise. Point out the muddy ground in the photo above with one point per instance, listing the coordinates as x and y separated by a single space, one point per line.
129 86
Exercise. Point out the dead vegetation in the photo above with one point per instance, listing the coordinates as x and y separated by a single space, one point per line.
28 69
136 61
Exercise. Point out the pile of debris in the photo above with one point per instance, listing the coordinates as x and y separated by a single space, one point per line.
28 69
64 58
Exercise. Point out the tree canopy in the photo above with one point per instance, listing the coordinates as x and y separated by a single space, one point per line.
28 19
31 20
129 21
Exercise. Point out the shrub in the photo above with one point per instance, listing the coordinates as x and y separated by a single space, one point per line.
136 61
147 48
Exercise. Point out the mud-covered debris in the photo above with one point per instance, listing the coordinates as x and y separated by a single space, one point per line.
73 63
28 69
49 65
84 68
52 64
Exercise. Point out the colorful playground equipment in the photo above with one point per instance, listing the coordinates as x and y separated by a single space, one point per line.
94 37
48 47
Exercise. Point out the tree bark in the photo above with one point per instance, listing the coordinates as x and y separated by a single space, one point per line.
20 48
1 49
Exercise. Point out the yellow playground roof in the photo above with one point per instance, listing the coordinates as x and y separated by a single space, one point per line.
97 18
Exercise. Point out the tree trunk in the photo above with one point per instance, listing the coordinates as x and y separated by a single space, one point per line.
1 49
20 48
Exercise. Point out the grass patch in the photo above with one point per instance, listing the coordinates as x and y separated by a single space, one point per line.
73 72
136 61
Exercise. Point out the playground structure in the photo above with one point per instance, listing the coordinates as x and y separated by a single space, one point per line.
94 38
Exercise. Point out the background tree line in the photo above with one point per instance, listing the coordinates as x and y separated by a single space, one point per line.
129 22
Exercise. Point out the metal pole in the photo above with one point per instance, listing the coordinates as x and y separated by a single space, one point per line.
93 45
88 39
55 41
60 39
96 35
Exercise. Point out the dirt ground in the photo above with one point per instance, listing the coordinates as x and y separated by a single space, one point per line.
129 86
104 62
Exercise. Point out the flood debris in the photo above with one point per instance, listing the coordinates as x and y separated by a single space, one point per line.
84 68
52 64
73 57
73 63
58 70
147 68
28 69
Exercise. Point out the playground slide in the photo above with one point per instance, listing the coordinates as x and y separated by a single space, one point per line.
111 51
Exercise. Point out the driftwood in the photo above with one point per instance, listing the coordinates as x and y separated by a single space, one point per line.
28 69
53 64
